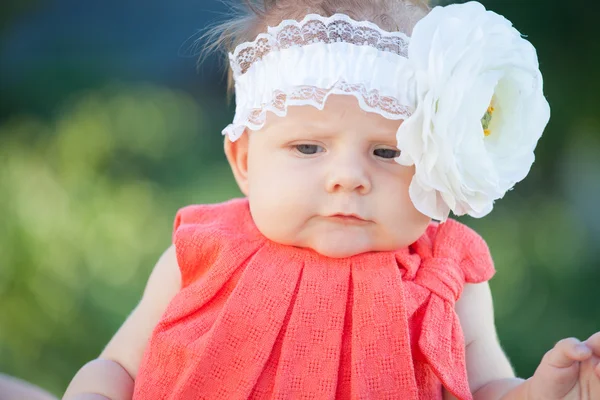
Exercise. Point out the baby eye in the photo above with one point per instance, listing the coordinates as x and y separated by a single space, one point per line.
309 149
387 153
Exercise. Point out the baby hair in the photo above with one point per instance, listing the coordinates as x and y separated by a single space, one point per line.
254 16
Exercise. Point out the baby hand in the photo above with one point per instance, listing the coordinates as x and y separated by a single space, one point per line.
570 371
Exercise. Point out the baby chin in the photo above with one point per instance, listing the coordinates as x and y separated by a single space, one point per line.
343 241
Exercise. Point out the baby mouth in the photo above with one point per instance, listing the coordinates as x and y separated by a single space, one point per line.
352 219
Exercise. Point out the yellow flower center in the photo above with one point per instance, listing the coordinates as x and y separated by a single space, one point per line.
485 121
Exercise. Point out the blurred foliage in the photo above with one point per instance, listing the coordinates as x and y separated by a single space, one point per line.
88 201
9 10
89 188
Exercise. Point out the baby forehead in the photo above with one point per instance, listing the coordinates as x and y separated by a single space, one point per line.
340 112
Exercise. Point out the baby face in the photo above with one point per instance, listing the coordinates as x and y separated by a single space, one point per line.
327 180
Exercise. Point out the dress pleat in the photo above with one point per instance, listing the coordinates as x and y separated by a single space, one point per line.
382 359
310 355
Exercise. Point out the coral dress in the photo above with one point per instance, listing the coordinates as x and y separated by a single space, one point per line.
260 320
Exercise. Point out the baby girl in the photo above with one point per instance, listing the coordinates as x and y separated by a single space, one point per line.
359 127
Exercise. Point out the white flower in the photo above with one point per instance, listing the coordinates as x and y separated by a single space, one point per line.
480 110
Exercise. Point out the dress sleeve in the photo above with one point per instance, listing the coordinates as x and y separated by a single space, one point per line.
456 241
477 263
192 242
206 233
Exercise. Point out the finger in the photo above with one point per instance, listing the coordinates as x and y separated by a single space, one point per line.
566 352
593 343
593 382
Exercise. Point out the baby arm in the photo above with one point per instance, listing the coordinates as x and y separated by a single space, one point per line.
490 374
112 374
568 371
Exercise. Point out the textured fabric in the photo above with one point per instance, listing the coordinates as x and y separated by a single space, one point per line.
303 62
260 320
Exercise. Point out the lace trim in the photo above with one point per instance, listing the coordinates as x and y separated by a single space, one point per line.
369 100
317 29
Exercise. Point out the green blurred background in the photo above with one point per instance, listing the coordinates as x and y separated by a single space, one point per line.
107 128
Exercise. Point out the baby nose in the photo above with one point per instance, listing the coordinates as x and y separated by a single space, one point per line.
349 177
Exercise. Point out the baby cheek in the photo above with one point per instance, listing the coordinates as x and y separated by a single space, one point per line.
280 183
403 221
393 188
280 200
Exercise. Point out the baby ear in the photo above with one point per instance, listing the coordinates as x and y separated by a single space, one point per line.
237 155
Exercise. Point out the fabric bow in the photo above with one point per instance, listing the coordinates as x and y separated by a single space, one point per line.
450 255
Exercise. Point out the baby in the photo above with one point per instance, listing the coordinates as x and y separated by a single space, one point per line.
330 279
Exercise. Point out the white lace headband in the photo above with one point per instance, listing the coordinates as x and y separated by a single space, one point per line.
301 63
466 84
